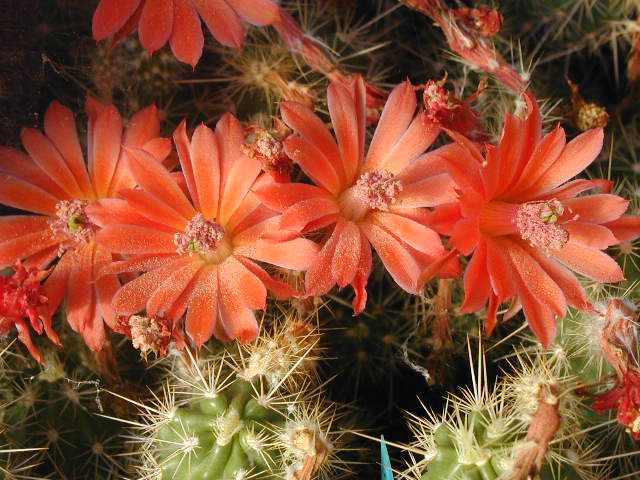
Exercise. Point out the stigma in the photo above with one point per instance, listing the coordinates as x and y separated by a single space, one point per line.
73 221
537 223
200 236
378 189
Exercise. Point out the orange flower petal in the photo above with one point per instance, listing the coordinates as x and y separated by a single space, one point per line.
626 228
222 20
396 116
171 288
206 170
314 163
346 258
202 313
133 239
27 245
153 208
348 119
596 208
60 127
297 217
256 12
155 179
156 23
111 16
476 285
186 38
590 262
105 149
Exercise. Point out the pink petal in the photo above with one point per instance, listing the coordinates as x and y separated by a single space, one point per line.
19 165
626 228
206 170
256 12
281 196
156 23
105 149
499 271
573 188
463 168
132 297
139 263
202 313
25 196
81 301
133 239
566 280
26 245
15 226
476 281
183 147
466 235
154 178
590 262
395 119
412 143
186 38
222 20
545 154
281 290
601 208
47 157
297 254
346 258
297 217
168 292
410 232
111 16
153 208
430 192
55 286
590 235
503 162
404 269
538 282
319 278
349 125
576 156
301 119
314 163
60 127
113 210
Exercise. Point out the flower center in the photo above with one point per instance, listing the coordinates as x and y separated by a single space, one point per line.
200 236
537 222
377 189
73 221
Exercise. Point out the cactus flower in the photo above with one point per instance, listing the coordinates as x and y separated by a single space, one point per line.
525 226
368 200
53 181
196 234
178 22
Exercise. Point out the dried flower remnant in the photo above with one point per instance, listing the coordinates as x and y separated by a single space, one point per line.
367 199
523 223
199 247
586 115
444 108
54 181
178 22
467 31
149 334
22 296
267 148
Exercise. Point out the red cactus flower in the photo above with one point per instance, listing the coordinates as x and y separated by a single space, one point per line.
375 199
196 236
625 399
53 181
22 296
525 225
178 21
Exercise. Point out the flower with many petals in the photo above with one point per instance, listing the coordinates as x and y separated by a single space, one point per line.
196 235
525 224
368 200
178 22
53 181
